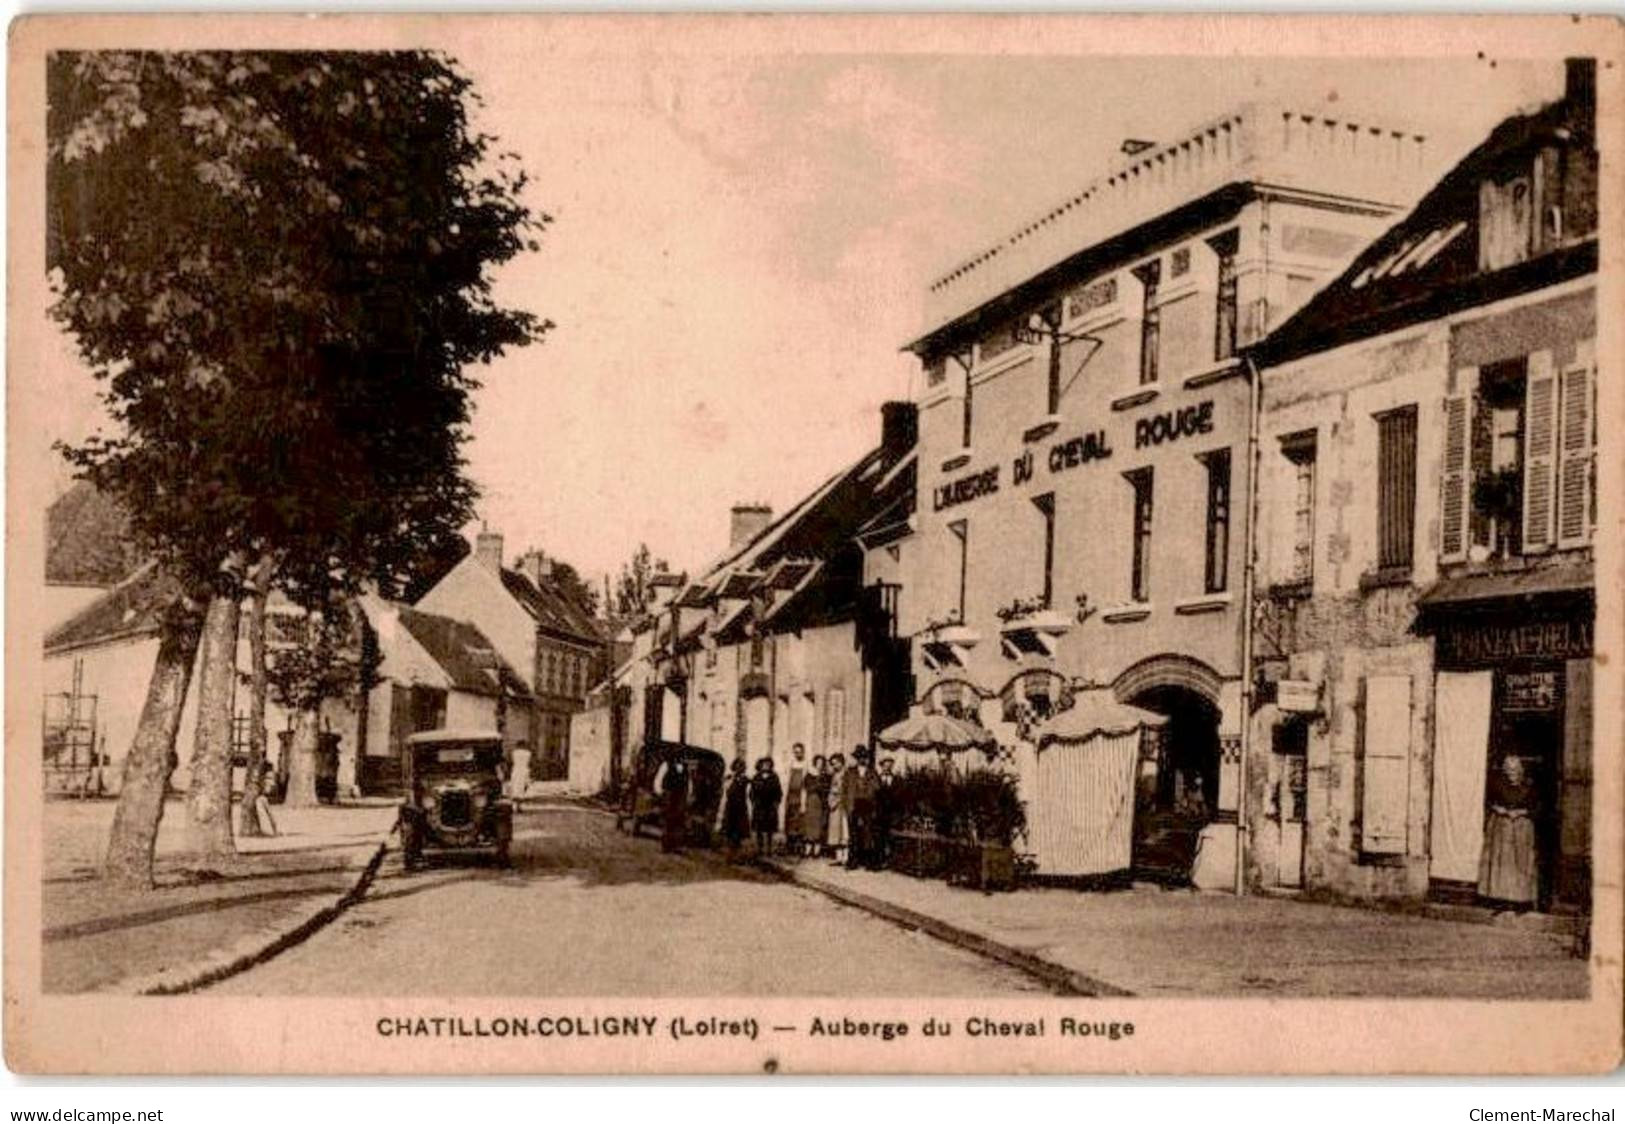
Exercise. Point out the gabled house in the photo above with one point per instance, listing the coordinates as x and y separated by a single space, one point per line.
1427 507
540 629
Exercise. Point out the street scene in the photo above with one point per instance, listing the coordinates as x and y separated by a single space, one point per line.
727 529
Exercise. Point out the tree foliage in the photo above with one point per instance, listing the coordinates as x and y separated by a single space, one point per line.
278 263
632 585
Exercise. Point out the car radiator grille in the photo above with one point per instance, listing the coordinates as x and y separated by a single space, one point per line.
456 809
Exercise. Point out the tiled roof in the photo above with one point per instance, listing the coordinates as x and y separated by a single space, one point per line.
468 658
1426 265
551 607
127 611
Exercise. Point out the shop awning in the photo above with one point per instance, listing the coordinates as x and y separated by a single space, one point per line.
1569 580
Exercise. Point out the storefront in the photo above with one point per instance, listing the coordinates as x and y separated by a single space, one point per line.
1511 800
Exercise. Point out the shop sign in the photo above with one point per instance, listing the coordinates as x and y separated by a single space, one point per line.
1297 696
1529 690
983 482
1494 642
1171 425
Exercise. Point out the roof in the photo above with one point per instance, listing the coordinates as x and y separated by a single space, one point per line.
130 610
1257 144
88 539
1473 591
551 607
469 660
1426 265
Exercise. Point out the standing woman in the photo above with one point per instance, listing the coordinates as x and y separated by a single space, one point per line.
765 797
838 837
1508 873
736 807
815 808
795 793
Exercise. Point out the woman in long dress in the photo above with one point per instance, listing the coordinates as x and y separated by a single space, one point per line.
736 808
1508 872
815 807
838 836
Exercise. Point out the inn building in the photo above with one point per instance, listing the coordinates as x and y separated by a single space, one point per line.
1082 461
1427 515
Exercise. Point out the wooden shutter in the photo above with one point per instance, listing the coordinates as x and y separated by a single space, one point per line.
1455 499
1540 452
1575 457
1384 807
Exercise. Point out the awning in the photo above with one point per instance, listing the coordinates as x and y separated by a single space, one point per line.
1095 714
1568 580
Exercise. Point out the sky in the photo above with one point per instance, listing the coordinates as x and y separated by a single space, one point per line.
741 244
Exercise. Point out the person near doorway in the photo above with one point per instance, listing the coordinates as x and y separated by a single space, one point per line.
836 837
815 808
765 796
885 811
795 794
736 808
672 784
858 801
1508 872
262 801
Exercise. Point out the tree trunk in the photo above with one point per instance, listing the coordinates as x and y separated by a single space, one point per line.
151 759
302 759
208 802
248 821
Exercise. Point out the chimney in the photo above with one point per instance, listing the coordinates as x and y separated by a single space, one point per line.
1580 81
746 521
536 567
899 430
488 549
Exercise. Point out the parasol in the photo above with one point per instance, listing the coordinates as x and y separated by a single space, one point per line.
935 733
1096 714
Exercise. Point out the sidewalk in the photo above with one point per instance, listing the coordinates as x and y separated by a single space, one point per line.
99 938
1153 942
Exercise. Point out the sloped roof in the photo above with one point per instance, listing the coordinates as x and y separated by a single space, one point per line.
462 650
87 539
551 607
129 610
1426 265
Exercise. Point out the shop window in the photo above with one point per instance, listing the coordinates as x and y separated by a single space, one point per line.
1217 569
1225 319
1140 567
1046 510
1299 450
1396 489
1150 275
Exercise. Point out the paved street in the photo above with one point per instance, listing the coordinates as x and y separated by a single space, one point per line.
589 911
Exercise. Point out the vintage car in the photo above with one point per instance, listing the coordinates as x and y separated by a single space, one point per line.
453 783
641 804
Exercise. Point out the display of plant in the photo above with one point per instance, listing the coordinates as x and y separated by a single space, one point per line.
1022 607
976 806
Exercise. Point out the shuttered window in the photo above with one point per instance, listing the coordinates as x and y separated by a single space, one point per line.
1396 488
1456 473
1576 466
1217 569
1140 566
1385 765
1540 452
1299 449
1150 276
1224 329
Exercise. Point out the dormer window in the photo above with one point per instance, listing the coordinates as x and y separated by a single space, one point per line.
1506 229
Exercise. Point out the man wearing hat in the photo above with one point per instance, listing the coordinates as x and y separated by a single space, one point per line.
858 800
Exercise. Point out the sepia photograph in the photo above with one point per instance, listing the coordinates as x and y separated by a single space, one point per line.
826 544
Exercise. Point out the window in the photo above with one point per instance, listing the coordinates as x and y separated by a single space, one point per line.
1052 322
1140 573
1299 450
1150 274
1046 508
1217 570
758 651
1224 331
964 436
1496 449
961 531
936 373
1396 488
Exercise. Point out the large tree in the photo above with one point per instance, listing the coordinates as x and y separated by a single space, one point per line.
632 586
279 265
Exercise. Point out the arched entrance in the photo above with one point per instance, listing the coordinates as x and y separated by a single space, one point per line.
1177 792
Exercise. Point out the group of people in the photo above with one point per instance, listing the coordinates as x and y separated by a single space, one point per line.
829 809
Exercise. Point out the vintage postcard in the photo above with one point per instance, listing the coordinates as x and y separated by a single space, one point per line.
814 544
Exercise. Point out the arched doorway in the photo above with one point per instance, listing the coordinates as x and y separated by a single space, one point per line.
1177 791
